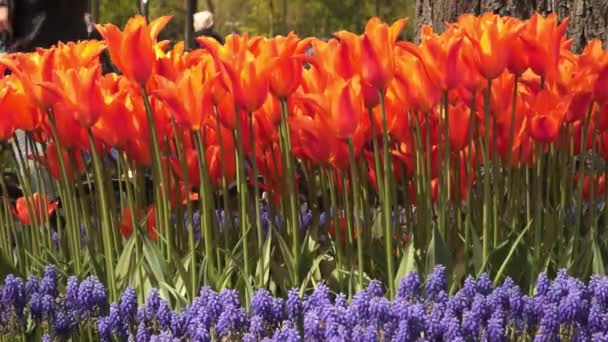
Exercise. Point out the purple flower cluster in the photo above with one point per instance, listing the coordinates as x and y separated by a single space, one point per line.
565 309
40 300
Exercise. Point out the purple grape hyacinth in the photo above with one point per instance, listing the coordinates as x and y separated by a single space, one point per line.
561 309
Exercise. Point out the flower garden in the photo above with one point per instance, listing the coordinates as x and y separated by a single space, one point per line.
293 189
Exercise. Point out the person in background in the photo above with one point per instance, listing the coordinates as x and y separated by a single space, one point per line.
203 26
32 24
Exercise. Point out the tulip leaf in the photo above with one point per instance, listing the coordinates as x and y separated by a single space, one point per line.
156 263
263 264
437 252
507 260
314 268
287 256
407 264
598 260
181 300
477 251
7 268
124 265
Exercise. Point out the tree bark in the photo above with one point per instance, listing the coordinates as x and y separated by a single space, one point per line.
191 6
588 18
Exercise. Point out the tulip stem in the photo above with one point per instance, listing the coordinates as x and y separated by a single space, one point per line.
486 177
242 190
256 199
357 210
73 229
291 188
206 200
158 174
334 217
105 221
386 202
227 210
189 224
579 189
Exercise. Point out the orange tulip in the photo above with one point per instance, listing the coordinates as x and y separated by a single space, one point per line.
346 109
73 167
42 207
544 39
377 52
459 118
126 222
441 57
285 73
81 93
600 89
547 111
132 50
492 36
82 54
189 98
33 70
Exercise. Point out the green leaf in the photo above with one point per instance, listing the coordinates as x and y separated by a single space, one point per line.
263 265
598 261
6 268
477 250
510 254
125 261
287 257
437 252
157 265
407 264
313 269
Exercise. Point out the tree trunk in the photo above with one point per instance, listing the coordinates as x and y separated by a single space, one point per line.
588 18
191 6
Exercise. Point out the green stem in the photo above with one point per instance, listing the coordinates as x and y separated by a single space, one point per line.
206 203
227 210
243 203
189 225
386 202
69 200
105 222
486 177
357 210
158 174
291 188
256 199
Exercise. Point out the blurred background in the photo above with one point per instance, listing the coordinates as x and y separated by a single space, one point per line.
318 18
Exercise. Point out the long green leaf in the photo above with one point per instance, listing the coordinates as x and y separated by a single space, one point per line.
407 264
514 246
598 259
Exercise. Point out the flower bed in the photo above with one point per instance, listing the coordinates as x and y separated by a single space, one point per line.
563 309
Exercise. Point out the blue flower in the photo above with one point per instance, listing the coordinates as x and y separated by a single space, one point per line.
64 323
436 282
543 284
484 284
13 294
232 321
496 326
128 305
48 285
92 297
164 337
409 288
294 305
375 288
287 334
